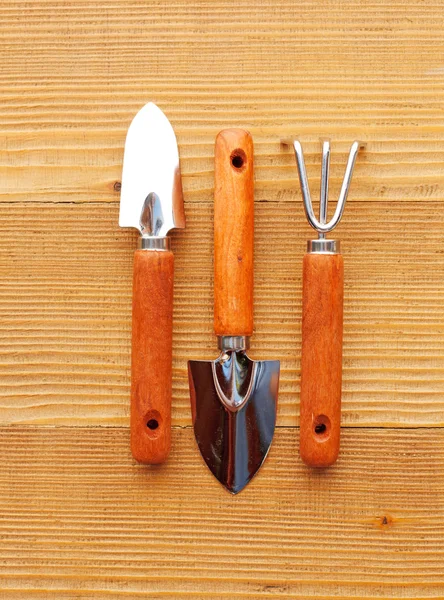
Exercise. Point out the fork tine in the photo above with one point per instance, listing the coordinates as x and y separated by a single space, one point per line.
323 208
321 226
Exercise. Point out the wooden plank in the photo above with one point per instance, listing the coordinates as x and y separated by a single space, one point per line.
65 305
71 84
60 166
84 167
79 519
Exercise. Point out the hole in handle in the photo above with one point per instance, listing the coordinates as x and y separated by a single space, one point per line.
238 159
321 428
153 422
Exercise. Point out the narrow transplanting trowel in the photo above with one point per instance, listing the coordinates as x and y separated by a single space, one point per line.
152 202
233 398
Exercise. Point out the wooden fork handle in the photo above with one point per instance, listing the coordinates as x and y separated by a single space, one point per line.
321 364
151 360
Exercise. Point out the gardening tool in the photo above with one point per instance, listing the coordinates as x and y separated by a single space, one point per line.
233 398
152 202
322 319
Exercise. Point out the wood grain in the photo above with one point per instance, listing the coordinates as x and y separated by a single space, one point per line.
78 518
151 355
321 358
81 519
72 84
233 233
65 309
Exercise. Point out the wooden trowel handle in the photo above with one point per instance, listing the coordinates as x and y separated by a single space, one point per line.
151 361
321 364
233 233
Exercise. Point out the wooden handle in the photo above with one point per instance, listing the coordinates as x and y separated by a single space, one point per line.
321 365
151 363
233 233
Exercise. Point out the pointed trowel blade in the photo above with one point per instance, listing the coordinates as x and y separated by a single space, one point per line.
151 173
233 401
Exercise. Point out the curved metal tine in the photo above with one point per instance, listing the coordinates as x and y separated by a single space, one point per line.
346 183
323 206
304 183
323 228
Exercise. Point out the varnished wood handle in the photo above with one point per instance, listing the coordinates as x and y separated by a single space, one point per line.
321 364
151 361
233 233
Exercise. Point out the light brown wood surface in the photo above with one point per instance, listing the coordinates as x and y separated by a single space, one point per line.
233 233
321 358
79 518
95 524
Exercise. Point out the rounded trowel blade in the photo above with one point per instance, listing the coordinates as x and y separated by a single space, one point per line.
234 401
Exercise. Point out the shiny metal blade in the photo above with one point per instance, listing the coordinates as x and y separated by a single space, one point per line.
234 402
151 196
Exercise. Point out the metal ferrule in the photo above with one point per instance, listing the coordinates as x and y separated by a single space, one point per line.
323 246
233 342
154 243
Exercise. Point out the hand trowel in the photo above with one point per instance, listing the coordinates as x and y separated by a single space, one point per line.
152 202
233 398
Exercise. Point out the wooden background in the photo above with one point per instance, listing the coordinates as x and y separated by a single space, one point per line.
78 518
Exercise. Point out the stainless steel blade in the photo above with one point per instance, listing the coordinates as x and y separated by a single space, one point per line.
151 196
233 401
